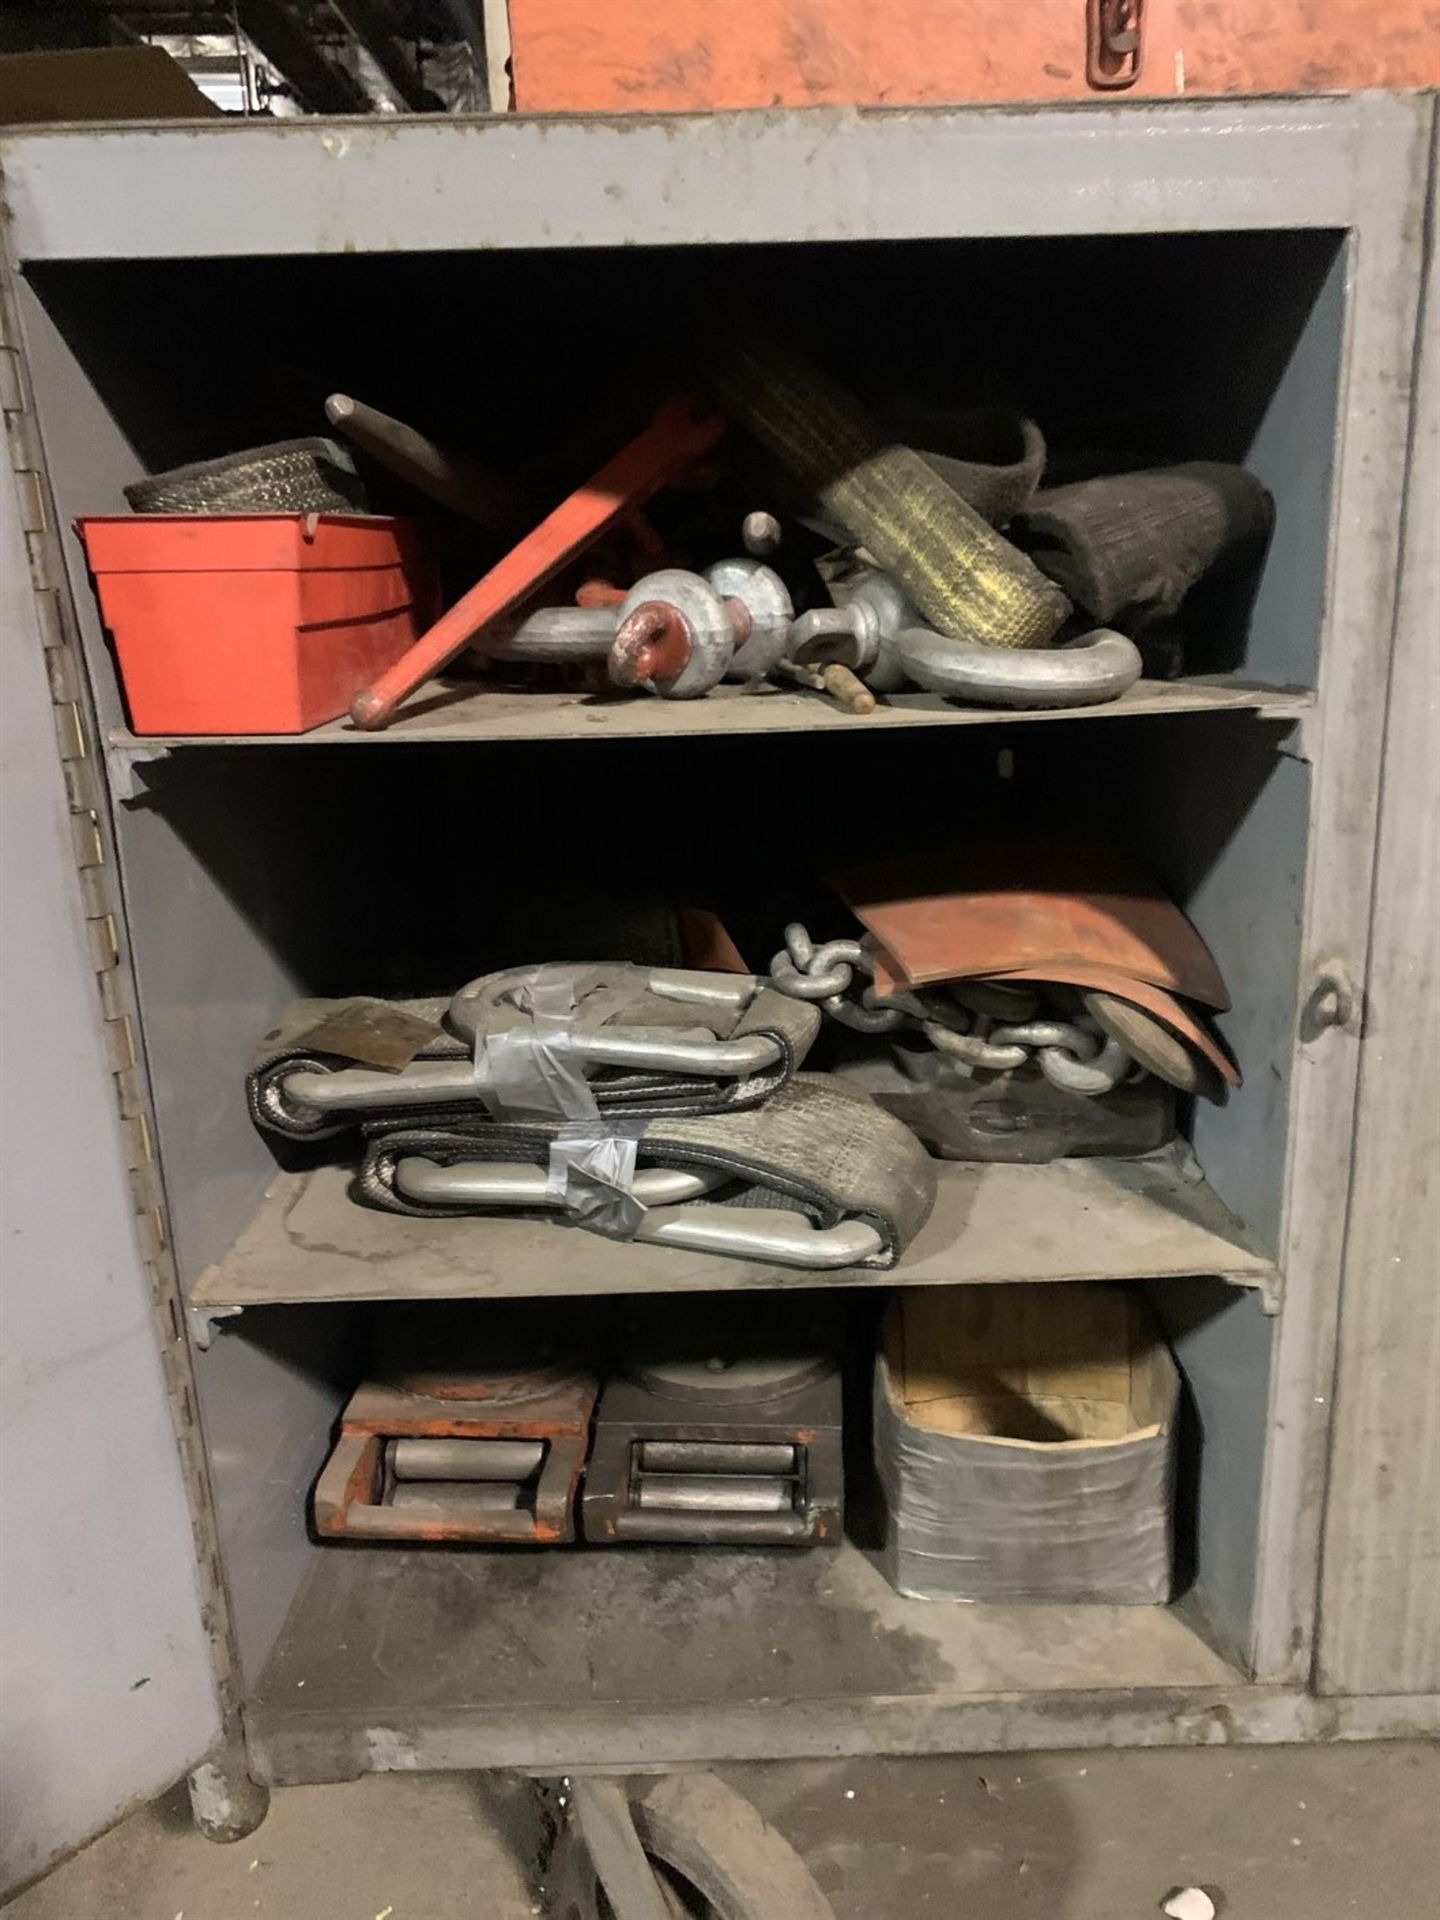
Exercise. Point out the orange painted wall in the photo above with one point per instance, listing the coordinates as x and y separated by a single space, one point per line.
652 56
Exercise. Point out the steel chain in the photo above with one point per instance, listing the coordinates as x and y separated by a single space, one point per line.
958 1020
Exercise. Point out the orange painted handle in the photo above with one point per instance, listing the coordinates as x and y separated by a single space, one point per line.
680 433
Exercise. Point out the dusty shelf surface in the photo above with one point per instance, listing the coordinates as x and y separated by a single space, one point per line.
1073 1220
572 1656
465 711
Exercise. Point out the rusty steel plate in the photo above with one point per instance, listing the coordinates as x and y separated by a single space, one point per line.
1000 910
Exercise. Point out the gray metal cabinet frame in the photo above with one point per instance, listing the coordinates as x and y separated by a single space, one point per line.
1356 165
1379 1628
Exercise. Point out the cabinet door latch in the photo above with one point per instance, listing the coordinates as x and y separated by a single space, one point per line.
1113 31
1332 1002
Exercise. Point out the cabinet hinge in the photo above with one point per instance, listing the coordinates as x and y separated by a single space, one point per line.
112 1001
12 378
30 494
70 731
37 555
136 1129
89 847
152 1234
95 889
24 446
130 1092
60 672
121 1038
104 943
76 775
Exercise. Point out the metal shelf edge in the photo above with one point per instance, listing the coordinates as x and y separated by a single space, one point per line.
1073 1220
522 717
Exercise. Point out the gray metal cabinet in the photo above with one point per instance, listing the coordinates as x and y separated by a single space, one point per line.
1230 279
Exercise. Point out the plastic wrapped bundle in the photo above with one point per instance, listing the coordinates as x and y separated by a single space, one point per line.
1024 1440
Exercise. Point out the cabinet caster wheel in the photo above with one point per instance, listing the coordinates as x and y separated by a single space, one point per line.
689 1849
226 1803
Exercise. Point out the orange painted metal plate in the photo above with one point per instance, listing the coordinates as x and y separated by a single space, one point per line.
1039 906
557 1409
631 56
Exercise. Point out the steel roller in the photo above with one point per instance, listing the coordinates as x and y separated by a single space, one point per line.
715 1493
421 1457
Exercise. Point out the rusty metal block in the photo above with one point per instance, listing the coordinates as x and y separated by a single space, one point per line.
355 1496
720 1434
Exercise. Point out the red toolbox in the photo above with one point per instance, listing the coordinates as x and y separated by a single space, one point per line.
254 623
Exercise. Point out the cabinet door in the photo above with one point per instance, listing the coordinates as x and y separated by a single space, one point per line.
106 1687
1380 1581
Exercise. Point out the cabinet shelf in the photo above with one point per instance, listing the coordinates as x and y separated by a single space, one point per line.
462 711
645 1656
1093 1219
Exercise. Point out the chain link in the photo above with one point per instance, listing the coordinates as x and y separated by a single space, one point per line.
959 1020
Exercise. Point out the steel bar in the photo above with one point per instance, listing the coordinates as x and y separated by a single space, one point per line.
457 481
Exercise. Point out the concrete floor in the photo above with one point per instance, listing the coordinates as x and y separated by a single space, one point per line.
1273 1834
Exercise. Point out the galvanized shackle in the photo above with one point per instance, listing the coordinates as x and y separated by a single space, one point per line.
756 594
1099 666
859 634
679 634
554 636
